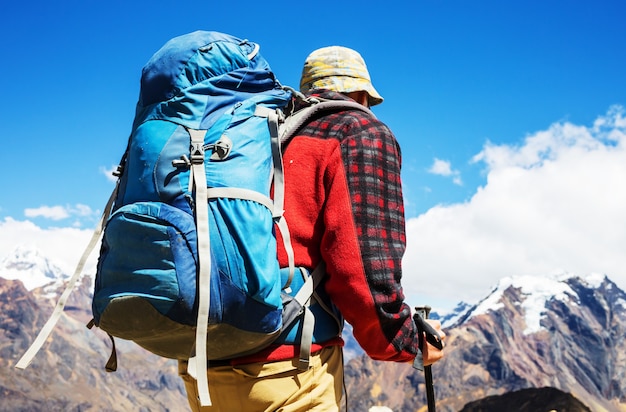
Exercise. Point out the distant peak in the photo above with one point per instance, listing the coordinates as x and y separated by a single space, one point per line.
23 251
595 280
27 264
535 293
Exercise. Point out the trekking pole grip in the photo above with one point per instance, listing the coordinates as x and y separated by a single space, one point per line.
429 334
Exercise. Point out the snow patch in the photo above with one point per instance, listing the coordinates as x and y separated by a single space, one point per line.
594 280
536 292
28 265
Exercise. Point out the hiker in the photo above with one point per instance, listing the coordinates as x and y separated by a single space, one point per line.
344 207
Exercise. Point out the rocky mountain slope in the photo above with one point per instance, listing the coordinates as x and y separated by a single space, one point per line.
68 374
565 333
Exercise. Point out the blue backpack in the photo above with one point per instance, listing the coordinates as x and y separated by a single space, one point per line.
193 206
188 263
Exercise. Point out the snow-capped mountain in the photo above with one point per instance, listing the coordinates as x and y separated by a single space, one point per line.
565 332
33 269
535 293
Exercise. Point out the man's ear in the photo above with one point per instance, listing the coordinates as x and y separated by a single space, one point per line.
360 97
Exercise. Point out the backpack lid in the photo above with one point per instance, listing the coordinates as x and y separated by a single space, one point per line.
195 77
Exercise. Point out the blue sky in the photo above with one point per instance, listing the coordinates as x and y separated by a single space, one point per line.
470 89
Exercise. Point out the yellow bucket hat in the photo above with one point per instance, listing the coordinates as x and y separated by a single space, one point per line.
338 69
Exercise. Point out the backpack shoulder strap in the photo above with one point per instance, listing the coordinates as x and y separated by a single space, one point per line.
298 305
315 106
308 321
274 119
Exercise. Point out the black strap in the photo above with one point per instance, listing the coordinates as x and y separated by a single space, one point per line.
111 365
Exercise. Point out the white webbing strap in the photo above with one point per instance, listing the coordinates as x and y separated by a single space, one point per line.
303 297
45 332
279 186
204 262
284 233
277 157
239 193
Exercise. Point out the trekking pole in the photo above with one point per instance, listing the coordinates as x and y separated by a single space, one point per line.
432 337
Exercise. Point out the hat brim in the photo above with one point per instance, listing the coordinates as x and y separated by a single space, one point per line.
344 84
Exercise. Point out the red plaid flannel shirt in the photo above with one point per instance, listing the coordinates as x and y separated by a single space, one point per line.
372 161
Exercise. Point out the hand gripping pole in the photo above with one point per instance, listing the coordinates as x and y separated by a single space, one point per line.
426 334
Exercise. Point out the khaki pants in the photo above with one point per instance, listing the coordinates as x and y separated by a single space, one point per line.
275 386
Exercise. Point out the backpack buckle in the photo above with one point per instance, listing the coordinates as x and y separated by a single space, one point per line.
221 149
197 153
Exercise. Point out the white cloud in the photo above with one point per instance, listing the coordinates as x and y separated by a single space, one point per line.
64 245
82 210
444 168
441 167
555 203
48 212
59 212
108 173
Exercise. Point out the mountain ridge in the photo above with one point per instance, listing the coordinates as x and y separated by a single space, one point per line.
526 333
579 348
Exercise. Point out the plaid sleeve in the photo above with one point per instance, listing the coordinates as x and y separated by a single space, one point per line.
372 161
